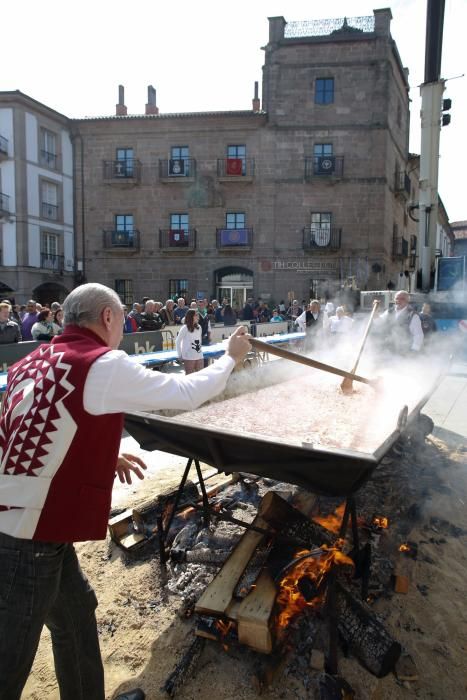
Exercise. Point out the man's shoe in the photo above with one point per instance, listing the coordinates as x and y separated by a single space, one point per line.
136 694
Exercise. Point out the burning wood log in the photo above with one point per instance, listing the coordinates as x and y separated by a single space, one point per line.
184 668
364 634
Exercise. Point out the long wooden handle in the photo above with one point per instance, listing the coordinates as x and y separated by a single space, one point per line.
288 355
365 336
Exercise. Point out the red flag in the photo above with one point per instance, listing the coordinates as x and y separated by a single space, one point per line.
234 166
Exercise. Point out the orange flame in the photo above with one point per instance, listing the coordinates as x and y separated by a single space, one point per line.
380 521
404 547
290 600
224 627
333 521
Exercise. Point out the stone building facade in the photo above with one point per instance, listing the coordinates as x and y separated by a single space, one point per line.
306 194
36 201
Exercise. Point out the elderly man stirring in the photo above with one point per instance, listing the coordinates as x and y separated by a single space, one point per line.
59 439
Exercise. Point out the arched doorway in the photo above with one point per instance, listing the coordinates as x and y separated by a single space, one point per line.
234 284
48 292
6 292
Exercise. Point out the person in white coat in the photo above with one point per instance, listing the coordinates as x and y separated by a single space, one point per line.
188 344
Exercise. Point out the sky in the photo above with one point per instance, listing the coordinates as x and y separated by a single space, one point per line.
206 55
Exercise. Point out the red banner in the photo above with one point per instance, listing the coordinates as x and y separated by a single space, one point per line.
234 166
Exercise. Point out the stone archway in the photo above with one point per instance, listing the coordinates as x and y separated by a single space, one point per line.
48 292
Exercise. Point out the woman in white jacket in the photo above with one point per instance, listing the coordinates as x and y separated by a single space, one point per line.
189 348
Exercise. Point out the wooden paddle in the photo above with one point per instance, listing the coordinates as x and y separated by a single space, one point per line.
288 355
346 384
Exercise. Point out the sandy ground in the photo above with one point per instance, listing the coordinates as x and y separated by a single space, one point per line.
142 637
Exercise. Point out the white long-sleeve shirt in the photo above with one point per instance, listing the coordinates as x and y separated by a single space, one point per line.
188 344
115 384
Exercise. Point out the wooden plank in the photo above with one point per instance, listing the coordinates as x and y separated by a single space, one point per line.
218 595
254 615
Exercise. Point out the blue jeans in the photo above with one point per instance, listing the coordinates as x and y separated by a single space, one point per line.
42 583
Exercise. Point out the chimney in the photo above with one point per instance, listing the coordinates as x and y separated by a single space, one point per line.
255 100
151 105
120 109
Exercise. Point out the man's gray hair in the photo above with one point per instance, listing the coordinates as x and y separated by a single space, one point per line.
84 305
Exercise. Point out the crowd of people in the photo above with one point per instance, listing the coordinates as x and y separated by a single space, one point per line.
32 321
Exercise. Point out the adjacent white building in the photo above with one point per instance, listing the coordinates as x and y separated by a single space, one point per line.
37 244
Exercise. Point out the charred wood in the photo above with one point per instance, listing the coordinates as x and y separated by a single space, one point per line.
364 634
147 512
185 667
252 571
183 541
206 556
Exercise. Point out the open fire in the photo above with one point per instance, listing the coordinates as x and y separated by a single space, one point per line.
304 583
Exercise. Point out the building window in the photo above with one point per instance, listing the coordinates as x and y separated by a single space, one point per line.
48 152
235 220
320 228
124 289
123 234
179 163
236 160
49 201
179 222
124 162
324 91
323 162
178 288
178 234
50 259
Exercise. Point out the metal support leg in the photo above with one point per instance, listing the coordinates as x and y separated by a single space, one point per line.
331 665
164 531
207 517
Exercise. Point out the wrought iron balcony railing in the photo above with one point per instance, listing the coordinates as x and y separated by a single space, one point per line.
49 159
52 262
325 239
324 166
177 168
3 146
49 211
177 239
237 238
400 248
4 204
124 170
402 183
126 239
234 168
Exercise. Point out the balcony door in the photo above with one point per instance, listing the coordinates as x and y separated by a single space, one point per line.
50 259
123 234
124 162
320 230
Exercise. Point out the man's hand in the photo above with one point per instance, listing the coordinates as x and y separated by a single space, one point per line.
126 464
238 344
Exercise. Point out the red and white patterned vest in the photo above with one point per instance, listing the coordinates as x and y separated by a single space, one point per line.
57 462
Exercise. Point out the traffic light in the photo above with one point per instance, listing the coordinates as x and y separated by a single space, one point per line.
446 118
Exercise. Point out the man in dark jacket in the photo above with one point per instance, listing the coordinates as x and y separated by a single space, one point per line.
9 330
150 320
